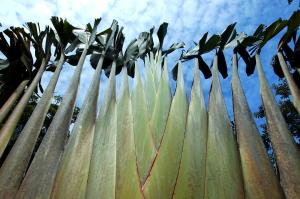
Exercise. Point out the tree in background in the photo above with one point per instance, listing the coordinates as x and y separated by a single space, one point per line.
288 111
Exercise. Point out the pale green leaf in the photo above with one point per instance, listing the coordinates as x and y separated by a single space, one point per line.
191 178
286 151
102 173
145 148
254 159
162 178
223 169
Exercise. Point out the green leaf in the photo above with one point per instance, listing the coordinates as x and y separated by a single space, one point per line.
131 51
161 33
103 36
161 182
72 175
127 178
145 148
211 44
204 68
223 169
251 147
259 30
222 66
286 151
64 30
236 41
271 31
94 31
203 40
149 86
293 25
161 107
191 177
102 172
228 33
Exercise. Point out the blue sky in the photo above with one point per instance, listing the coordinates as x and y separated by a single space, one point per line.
188 21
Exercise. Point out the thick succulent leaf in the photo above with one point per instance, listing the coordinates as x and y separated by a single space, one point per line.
12 100
8 128
251 147
161 33
286 151
223 169
191 178
149 86
162 179
72 175
102 172
156 62
292 84
161 107
144 145
17 161
48 155
127 179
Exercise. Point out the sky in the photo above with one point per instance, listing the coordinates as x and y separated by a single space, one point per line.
188 21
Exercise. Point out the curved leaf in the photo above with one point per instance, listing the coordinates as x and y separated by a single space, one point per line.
286 152
223 169
161 182
191 177
258 174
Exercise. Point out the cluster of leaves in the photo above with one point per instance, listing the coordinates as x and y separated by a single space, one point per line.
137 48
69 41
246 46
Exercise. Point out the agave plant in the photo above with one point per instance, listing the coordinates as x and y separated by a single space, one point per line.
146 142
